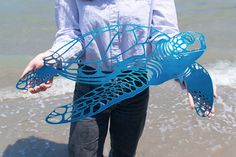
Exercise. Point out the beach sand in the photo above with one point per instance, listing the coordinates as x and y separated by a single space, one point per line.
172 129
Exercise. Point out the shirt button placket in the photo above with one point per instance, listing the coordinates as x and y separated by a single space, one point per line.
113 20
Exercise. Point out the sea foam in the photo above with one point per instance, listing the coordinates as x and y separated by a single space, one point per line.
61 86
223 73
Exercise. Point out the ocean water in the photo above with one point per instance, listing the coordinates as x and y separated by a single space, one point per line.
172 128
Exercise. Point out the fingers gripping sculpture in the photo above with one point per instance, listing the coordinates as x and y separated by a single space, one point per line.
169 58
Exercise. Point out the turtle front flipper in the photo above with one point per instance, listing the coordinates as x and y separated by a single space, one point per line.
36 77
199 85
126 85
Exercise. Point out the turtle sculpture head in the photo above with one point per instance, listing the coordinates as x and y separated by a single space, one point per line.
186 46
174 55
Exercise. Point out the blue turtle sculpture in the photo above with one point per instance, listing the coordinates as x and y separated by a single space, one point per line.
169 58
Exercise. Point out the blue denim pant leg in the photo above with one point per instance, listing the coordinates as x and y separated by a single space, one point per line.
127 120
126 125
87 136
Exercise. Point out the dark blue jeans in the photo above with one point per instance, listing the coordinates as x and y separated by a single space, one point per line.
127 121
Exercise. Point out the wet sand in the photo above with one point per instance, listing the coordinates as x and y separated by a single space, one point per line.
172 129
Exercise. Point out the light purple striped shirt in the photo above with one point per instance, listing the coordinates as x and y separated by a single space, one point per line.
76 17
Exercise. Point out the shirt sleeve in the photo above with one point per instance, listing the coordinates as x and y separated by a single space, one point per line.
164 16
67 21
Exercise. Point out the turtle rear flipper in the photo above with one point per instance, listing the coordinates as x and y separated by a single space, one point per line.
199 85
124 86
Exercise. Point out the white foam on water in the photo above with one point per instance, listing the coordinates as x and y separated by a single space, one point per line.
60 86
223 73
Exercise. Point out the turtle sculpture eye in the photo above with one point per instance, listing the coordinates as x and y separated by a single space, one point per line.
129 76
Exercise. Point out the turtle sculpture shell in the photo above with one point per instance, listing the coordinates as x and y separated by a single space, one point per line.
147 59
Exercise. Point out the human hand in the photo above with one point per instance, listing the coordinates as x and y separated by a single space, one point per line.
191 101
36 63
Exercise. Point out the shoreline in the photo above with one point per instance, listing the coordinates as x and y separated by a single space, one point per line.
172 129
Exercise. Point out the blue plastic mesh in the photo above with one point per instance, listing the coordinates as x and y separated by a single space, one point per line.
170 58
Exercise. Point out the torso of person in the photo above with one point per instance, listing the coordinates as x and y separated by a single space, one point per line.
110 45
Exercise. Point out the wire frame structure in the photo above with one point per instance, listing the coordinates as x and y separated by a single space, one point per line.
160 58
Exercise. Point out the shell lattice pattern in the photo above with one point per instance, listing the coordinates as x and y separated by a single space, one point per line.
125 85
